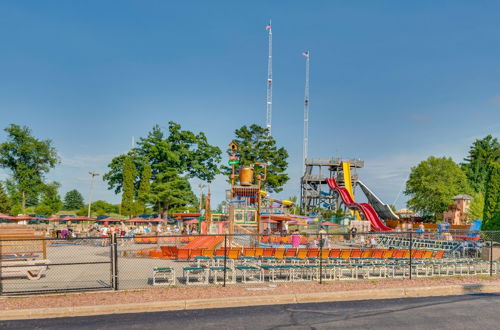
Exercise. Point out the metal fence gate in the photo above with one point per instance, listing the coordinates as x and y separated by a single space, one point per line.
30 266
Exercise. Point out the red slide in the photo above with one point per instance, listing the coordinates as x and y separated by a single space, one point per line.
364 208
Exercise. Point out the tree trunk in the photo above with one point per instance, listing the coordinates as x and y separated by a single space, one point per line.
23 202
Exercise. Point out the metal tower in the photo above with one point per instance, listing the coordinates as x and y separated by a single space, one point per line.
306 111
269 113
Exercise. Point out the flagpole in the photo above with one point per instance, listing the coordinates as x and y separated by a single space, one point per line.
269 105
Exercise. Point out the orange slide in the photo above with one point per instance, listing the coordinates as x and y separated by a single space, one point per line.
204 242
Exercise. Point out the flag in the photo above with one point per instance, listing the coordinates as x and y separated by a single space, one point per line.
268 27
306 54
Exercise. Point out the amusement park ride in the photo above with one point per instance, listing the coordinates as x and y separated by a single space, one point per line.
326 184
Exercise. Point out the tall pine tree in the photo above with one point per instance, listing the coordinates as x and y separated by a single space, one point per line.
73 200
129 172
491 213
4 200
476 166
144 189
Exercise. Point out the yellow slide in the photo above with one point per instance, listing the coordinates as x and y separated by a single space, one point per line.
346 167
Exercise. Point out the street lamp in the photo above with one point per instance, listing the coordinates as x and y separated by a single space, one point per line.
201 186
93 174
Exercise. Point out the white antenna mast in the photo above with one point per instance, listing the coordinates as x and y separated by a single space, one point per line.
306 110
269 112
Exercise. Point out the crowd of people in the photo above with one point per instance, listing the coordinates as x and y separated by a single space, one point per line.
99 229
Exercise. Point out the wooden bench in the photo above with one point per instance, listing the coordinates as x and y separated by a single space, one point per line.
20 242
32 269
23 252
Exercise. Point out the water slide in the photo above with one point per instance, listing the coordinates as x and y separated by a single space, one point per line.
203 242
346 169
383 210
283 202
365 208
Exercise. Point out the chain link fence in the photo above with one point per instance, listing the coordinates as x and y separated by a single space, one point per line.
55 265
120 263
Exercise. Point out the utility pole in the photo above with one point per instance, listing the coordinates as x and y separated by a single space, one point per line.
269 113
306 111
93 174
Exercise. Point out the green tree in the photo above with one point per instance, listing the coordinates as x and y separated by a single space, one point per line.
99 208
50 198
256 146
172 194
28 158
180 151
222 206
174 158
432 184
476 206
4 200
129 174
476 166
144 189
491 214
73 200
44 210
339 213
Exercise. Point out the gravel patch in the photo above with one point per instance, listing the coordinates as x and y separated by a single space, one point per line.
174 293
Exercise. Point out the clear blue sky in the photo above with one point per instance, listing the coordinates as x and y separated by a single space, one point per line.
392 82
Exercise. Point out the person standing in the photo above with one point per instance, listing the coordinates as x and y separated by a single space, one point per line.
322 237
296 238
353 231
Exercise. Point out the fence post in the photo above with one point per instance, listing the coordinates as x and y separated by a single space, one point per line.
1 283
111 259
321 258
115 262
491 255
225 258
411 252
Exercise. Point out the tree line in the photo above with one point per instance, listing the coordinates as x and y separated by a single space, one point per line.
153 177
433 182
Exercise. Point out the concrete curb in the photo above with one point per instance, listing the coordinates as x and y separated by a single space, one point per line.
175 305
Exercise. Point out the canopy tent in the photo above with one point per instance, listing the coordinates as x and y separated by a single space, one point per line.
180 216
297 222
136 219
269 221
22 217
277 217
6 216
52 219
158 220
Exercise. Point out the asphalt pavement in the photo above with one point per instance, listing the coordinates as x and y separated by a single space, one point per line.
477 311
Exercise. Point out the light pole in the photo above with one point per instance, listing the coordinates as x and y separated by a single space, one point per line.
201 186
93 174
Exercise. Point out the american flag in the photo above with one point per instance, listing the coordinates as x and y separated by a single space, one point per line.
268 27
306 54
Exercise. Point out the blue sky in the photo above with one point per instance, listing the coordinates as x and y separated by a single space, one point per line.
392 82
